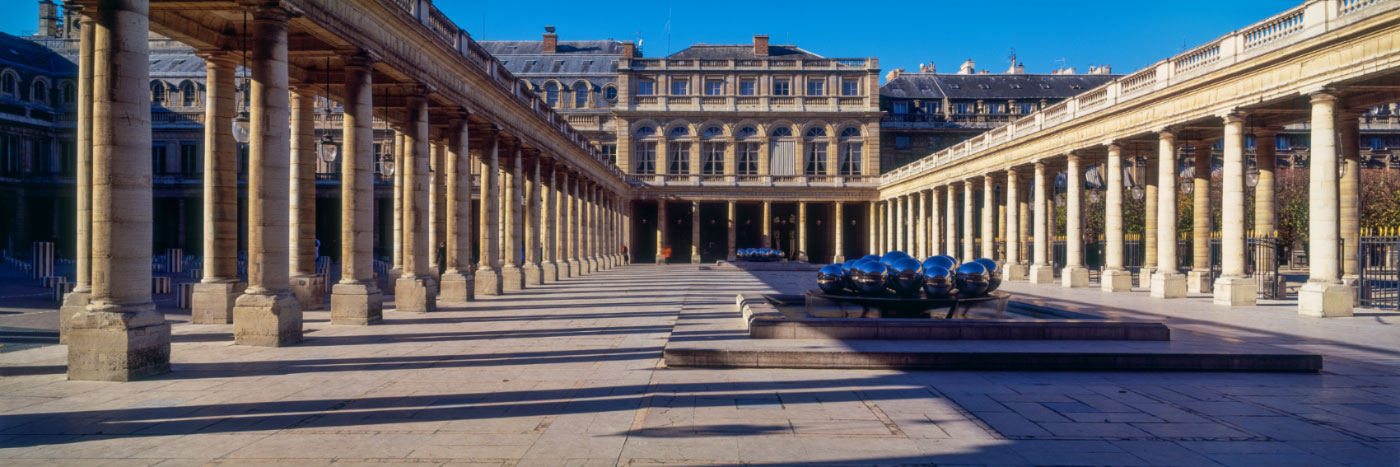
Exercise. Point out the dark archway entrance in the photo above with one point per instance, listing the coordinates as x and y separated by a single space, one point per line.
748 225
643 246
714 231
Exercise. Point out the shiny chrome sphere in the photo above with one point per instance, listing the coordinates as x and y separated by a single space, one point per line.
889 258
938 282
971 280
846 268
869 277
831 278
905 277
993 273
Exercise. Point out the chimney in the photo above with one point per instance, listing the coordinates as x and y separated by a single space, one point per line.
1101 70
893 74
967 68
760 44
629 49
551 40
932 68
48 18
923 68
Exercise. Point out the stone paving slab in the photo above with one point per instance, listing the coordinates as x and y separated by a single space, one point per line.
571 373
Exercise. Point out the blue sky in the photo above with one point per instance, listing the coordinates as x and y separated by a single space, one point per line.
1046 34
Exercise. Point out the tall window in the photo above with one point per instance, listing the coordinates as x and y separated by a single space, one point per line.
680 87
849 159
714 87
646 157
996 108
158 158
610 151
901 142
963 109
712 158
746 158
815 161
157 92
580 95
748 87
1027 108
782 87
899 108
850 87
551 94
9 84
40 93
189 158
815 87
646 87
679 154
189 95
67 93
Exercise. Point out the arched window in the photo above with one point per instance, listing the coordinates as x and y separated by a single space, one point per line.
851 148
580 95
40 92
9 84
746 151
646 132
747 132
816 132
189 94
678 132
551 94
814 160
157 92
782 131
850 132
713 132
67 93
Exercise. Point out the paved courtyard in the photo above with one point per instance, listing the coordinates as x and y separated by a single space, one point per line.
570 373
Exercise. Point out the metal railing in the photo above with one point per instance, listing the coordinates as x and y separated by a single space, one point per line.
1379 259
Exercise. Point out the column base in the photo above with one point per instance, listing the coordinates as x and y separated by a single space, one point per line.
1074 276
534 275
1236 291
512 278
565 271
694 259
1042 274
310 291
356 303
1116 281
838 259
268 319
1145 277
551 271
115 344
1015 272
1168 285
457 287
212 302
1325 300
73 303
588 265
802 256
489 282
1197 281
393 280
575 268
415 295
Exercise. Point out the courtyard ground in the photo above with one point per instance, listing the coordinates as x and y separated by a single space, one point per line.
570 373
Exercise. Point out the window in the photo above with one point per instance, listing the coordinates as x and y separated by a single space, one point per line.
40 93
189 158
1027 108
712 132
580 95
782 131
678 155
158 158
189 94
901 142
815 162
157 93
712 158
9 152
815 87
747 132
646 158
551 94
746 158
67 93
964 108
678 132
816 132
900 108
646 132
782 87
646 87
996 108
850 132
610 151
931 107
850 87
610 93
680 87
714 87
67 156
9 84
748 87
850 158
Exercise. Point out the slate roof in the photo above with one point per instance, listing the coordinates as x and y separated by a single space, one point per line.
990 86
23 53
740 52
572 58
600 47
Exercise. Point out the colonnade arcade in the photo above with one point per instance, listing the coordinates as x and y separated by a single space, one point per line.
698 229
1014 207
550 207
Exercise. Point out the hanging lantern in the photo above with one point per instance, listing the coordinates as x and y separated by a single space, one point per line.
1188 186
241 130
326 148
386 166
1137 193
1251 176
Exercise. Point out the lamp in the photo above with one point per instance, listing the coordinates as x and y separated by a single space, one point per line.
1137 193
241 131
326 148
1188 185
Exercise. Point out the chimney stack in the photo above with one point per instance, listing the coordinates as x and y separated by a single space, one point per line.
629 50
760 44
893 74
551 40
48 18
967 68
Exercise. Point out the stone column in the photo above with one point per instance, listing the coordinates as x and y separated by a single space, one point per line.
920 224
969 250
1149 228
1349 193
396 269
695 232
534 274
1042 272
512 273
77 300
587 258
457 283
488 269
212 299
989 209
1074 273
437 207
356 299
1324 295
1233 287
935 224
120 335
838 228
1198 278
267 314
950 219
802 231
880 228
550 244
415 291
568 266
731 250
1264 201
767 222
662 231
1166 281
306 285
1115 278
1015 270
900 223
873 227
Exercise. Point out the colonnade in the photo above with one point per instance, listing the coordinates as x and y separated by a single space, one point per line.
542 220
1333 210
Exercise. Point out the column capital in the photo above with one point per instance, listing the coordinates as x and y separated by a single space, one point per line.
1072 156
1168 132
1324 95
219 57
270 11
1234 116
361 58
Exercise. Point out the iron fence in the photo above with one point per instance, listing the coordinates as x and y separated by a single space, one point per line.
1379 285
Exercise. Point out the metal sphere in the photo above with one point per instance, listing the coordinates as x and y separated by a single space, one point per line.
941 261
971 280
869 277
905 277
846 269
938 282
953 261
831 278
871 257
889 258
993 273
